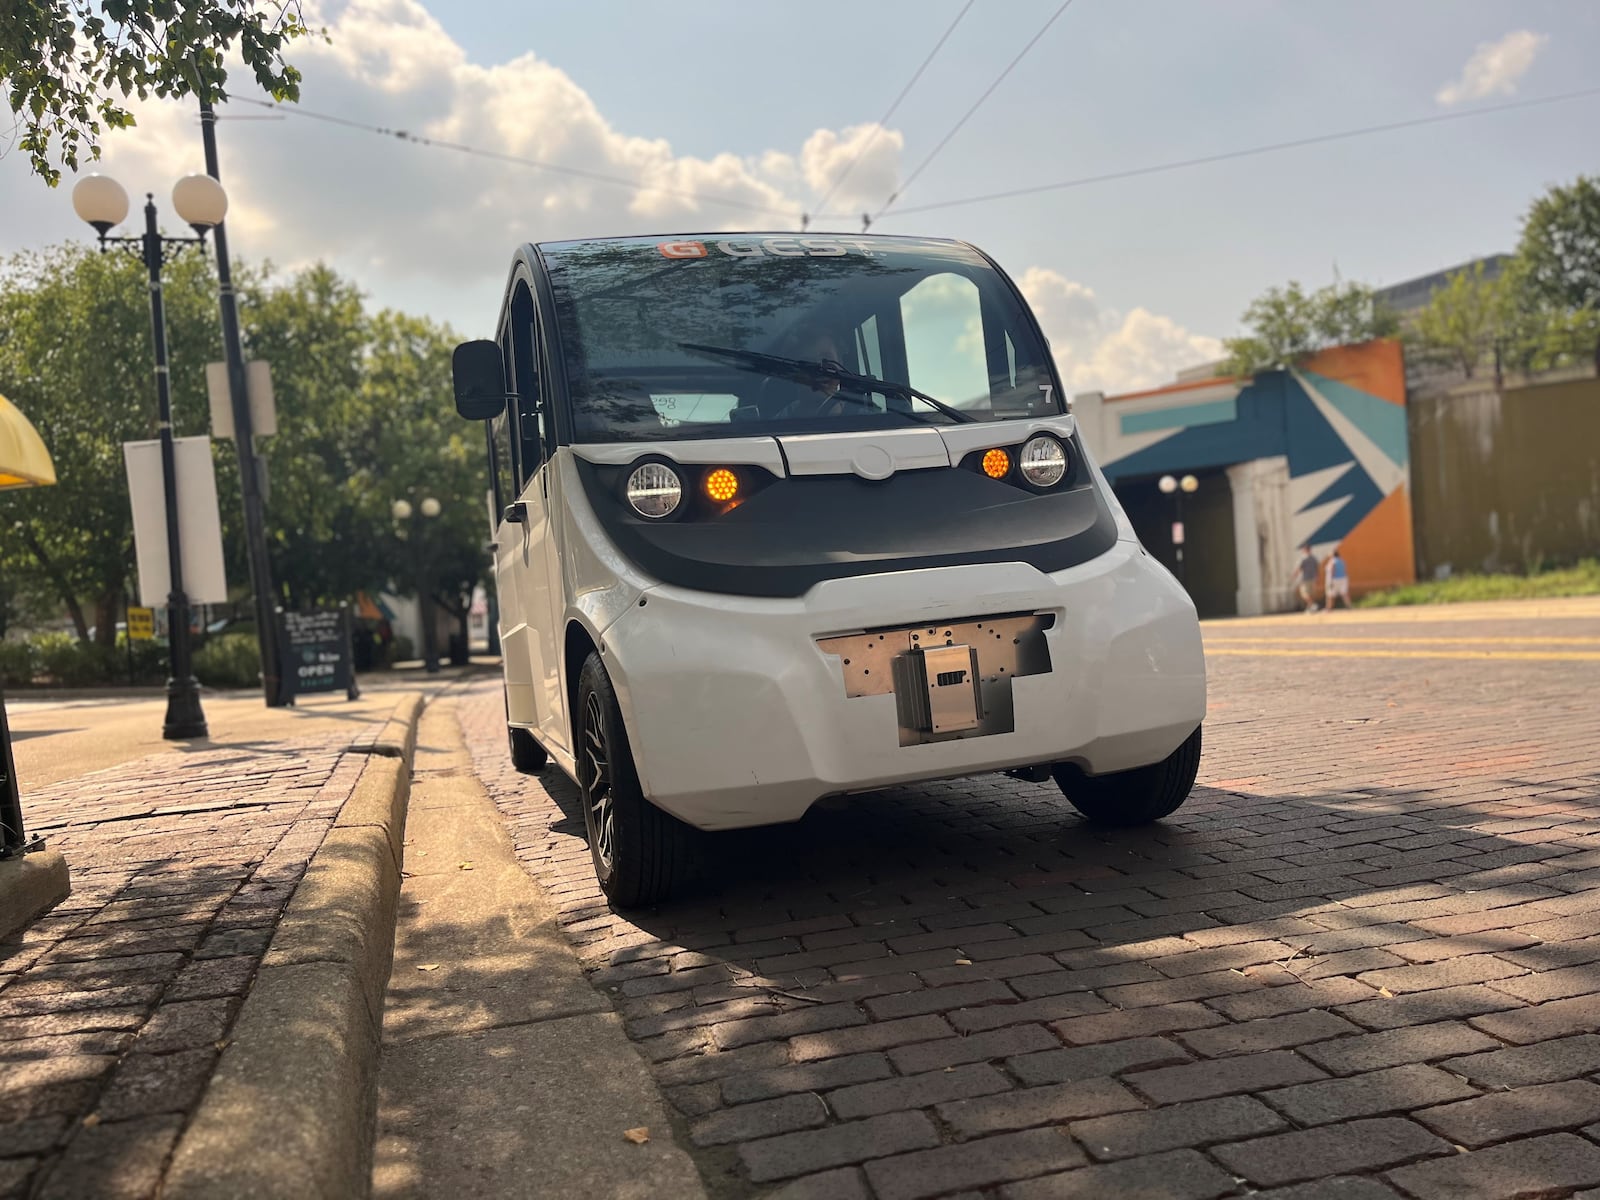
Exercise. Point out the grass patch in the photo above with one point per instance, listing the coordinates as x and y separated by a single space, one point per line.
1580 580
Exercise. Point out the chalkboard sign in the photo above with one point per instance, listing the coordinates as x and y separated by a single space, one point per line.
317 652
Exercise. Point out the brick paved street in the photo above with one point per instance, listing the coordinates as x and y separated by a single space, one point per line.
1368 947
114 1008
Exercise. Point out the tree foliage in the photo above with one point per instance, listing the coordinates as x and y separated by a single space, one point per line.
69 65
1559 251
1462 320
364 419
1558 274
1544 309
1287 324
75 357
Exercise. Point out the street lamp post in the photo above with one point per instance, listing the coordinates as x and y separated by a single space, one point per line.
201 202
244 440
405 515
1177 489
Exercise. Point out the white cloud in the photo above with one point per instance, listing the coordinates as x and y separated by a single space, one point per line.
410 220
875 152
1494 68
1099 349
432 230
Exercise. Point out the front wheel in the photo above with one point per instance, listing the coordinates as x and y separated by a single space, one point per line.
1134 797
641 854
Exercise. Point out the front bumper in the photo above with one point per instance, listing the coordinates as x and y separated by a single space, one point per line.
737 717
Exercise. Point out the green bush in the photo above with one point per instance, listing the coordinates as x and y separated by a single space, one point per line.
66 661
1581 579
231 660
401 649
17 662
146 662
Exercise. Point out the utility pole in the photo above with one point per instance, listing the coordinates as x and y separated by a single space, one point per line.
244 438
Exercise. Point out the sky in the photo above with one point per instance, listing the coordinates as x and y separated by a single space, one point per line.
723 114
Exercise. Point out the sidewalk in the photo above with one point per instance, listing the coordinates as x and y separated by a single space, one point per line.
115 1007
489 1024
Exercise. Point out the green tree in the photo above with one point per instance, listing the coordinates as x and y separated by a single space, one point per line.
1558 267
75 356
364 418
69 64
1287 324
1464 320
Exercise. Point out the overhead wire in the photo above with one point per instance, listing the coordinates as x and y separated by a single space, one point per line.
1229 155
888 115
516 159
938 205
966 116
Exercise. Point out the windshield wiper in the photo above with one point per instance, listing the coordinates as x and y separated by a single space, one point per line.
811 372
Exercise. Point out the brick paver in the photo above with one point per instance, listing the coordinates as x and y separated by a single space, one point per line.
114 1008
1378 913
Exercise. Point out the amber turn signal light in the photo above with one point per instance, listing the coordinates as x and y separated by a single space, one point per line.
996 463
722 485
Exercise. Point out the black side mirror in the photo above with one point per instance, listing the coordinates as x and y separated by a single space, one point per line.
480 379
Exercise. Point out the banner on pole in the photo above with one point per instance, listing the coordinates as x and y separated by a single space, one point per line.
199 524
257 390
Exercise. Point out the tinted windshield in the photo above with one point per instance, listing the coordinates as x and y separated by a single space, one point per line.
681 338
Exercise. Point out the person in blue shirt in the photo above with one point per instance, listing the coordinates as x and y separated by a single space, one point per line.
1336 587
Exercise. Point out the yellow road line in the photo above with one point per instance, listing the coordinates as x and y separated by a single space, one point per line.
1403 639
1564 608
1480 655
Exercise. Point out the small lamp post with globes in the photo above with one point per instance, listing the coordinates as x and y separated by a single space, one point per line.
1177 489
201 203
403 512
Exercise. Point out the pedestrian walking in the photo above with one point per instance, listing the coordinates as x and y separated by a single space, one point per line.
1306 577
1336 586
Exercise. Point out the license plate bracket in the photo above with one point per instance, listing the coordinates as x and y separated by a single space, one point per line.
949 678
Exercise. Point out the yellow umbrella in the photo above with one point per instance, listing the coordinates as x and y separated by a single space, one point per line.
24 462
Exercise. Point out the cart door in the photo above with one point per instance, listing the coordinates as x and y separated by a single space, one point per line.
515 649
532 546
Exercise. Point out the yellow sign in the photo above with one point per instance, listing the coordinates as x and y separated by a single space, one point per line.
141 623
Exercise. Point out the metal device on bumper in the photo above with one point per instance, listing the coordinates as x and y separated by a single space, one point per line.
950 680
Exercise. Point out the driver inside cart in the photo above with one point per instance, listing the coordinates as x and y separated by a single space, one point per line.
819 347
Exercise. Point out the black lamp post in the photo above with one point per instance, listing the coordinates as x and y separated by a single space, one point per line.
200 201
411 519
1177 489
250 468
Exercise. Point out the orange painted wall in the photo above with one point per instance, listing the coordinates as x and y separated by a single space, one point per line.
1376 367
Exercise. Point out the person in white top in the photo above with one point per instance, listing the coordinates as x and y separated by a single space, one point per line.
1336 585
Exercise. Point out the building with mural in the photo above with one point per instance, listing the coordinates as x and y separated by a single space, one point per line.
1317 454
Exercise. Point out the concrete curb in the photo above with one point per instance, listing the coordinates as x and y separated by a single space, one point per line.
398 736
291 1108
30 886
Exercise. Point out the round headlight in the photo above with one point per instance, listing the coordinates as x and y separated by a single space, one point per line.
1043 461
655 490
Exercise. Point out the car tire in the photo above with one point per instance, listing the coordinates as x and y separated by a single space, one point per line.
527 755
641 855
1134 797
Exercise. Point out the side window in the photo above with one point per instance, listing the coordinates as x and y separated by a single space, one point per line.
500 466
942 318
547 426
525 378
869 353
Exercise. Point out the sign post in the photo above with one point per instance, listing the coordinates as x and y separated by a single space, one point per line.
318 650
